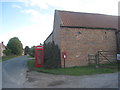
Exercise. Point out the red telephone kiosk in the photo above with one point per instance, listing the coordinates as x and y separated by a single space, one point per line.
39 56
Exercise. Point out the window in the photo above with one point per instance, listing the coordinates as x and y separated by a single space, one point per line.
78 32
105 35
78 35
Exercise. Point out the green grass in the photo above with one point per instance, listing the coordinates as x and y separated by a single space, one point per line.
4 58
0 59
30 57
75 71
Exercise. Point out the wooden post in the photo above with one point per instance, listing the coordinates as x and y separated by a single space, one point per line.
97 60
88 59
64 63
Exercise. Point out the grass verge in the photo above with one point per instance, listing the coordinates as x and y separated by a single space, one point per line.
75 71
4 58
30 57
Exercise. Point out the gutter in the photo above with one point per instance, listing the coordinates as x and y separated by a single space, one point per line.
48 36
88 27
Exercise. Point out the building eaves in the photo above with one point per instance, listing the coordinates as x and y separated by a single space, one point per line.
49 36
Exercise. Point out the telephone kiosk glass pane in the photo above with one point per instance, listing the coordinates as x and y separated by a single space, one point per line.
39 56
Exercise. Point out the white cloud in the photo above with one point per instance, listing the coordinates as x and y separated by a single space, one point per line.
29 35
33 34
39 3
92 6
8 0
25 2
41 19
16 6
43 23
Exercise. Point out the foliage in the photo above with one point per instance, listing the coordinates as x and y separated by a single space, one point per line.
26 50
15 46
4 58
75 71
32 51
52 56
7 51
31 64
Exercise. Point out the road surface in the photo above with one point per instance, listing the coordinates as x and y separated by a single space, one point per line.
43 80
14 72
14 76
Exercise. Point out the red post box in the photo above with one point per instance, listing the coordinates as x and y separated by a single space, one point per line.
39 56
64 56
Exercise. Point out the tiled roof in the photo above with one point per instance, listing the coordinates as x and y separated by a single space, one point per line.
79 19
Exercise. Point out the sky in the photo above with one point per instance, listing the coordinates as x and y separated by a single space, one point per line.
32 20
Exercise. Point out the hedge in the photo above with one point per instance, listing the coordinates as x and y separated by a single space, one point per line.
52 56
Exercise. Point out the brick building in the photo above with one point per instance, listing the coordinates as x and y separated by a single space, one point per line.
79 34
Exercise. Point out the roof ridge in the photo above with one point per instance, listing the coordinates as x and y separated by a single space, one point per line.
84 13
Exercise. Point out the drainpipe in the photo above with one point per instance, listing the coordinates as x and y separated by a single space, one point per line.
117 41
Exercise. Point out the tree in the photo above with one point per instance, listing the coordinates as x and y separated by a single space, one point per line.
15 46
7 51
27 50
32 51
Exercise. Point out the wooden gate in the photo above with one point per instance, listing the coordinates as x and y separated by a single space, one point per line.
103 57
106 57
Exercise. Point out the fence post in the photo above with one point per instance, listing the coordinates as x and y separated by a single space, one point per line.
97 60
88 59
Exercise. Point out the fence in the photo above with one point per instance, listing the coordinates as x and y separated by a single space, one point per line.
91 58
102 57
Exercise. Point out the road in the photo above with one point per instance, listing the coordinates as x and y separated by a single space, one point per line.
14 72
43 80
14 76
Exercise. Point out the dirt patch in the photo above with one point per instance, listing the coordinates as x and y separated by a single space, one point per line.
30 79
55 83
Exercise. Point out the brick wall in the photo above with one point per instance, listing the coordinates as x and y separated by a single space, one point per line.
78 43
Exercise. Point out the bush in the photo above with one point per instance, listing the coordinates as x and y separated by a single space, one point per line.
7 52
52 56
32 51
27 50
